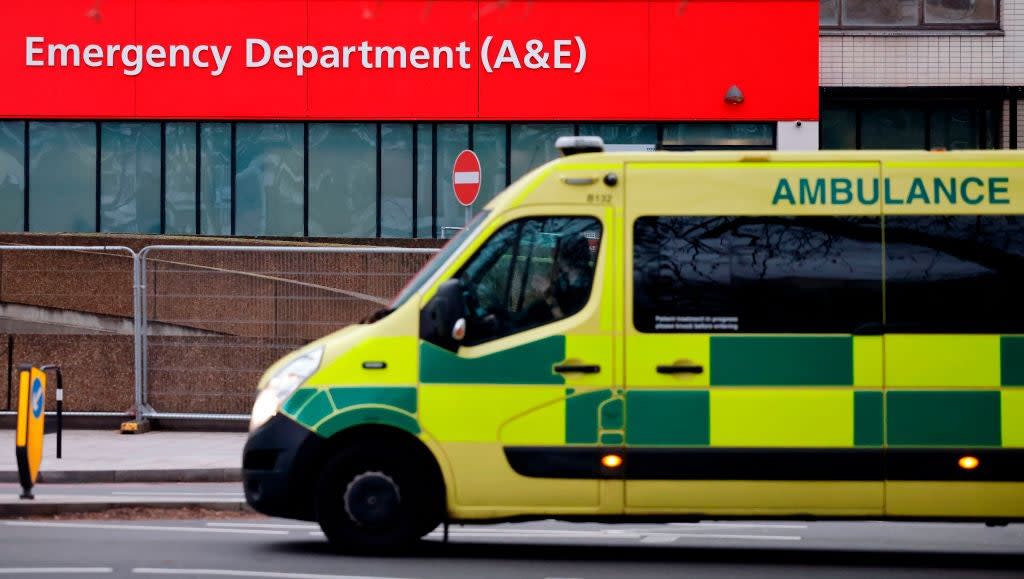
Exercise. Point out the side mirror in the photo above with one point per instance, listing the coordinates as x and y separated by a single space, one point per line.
443 319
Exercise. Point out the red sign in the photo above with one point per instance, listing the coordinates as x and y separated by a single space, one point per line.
466 177
409 59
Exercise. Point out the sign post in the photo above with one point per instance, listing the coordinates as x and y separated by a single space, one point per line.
466 178
29 439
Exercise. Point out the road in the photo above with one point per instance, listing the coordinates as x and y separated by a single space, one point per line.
262 547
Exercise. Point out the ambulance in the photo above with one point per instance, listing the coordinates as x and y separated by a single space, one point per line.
677 336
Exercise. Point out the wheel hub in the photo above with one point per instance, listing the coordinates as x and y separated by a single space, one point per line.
372 499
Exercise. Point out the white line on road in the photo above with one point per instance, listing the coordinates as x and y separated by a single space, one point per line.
54 570
738 525
645 536
115 527
238 573
264 526
670 537
176 494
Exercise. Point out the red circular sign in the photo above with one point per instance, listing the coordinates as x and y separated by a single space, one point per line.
466 177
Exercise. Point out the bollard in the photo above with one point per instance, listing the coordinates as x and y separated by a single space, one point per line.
28 444
60 403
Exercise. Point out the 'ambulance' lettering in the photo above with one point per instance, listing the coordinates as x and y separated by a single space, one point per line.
922 191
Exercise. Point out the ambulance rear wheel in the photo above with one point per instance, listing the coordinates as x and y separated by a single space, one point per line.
372 498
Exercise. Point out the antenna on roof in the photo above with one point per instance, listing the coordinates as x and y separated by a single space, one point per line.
576 145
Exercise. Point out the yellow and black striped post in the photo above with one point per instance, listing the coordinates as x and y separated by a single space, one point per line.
29 439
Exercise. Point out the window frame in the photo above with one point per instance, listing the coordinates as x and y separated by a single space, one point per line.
920 26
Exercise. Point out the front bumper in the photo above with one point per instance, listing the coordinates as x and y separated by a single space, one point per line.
279 469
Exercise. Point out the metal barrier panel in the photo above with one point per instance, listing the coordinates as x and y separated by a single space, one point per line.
243 307
75 306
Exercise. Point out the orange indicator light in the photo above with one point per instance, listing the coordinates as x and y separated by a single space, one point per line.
968 463
611 461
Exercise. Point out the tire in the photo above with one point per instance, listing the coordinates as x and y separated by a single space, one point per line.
377 498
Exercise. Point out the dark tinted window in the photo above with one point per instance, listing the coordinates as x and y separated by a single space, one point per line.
529 273
756 274
955 273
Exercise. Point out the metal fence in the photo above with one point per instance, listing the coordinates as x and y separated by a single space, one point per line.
190 328
72 305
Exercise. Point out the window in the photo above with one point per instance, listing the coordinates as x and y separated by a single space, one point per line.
425 181
756 274
942 14
130 177
452 139
718 136
268 179
396 180
529 273
490 146
622 133
534 145
215 185
955 273
343 179
12 176
893 128
62 176
911 118
180 178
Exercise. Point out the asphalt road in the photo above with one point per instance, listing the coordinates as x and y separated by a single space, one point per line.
293 550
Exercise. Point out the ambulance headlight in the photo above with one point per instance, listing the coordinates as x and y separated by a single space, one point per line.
282 384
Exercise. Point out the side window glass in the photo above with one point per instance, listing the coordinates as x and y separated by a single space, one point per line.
757 274
531 272
962 273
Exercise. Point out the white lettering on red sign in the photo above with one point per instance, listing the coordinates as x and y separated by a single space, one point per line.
133 59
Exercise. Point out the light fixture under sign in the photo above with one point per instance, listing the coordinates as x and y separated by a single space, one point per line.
734 95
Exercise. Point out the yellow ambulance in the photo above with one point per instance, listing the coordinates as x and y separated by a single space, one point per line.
678 336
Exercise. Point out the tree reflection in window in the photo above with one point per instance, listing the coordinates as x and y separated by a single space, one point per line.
757 274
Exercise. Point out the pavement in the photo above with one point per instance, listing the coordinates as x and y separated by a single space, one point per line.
107 456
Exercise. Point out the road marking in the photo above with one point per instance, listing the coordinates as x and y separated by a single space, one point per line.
54 570
237 573
176 494
738 525
263 526
727 537
116 527
659 538
644 536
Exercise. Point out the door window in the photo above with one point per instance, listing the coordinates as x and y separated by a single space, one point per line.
529 273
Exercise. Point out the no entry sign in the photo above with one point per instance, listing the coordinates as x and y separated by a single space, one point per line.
466 177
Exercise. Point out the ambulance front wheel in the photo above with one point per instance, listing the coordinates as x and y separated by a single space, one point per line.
374 498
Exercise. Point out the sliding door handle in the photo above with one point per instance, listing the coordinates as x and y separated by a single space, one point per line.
680 369
577 368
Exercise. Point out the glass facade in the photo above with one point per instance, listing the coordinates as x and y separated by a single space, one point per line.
130 177
910 119
291 179
62 169
12 176
269 179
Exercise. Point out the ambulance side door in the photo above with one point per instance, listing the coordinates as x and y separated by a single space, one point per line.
753 354
525 385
